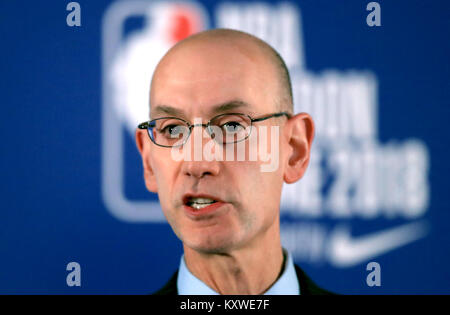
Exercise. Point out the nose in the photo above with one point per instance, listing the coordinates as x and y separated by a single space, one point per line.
197 166
200 169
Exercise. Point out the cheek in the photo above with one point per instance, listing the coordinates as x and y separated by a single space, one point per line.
257 189
165 176
263 188
164 170
163 165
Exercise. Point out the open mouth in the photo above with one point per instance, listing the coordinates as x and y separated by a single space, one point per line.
200 203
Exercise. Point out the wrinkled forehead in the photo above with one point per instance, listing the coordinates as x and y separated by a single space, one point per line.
197 76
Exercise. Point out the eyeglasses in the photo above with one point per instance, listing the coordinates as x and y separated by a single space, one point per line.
225 128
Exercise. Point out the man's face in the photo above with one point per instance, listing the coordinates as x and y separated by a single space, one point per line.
194 80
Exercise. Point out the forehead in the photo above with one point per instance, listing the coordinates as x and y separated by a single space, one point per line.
199 77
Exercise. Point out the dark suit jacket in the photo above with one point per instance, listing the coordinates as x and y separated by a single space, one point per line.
307 286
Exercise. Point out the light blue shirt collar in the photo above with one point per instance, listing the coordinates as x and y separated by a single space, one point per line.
287 284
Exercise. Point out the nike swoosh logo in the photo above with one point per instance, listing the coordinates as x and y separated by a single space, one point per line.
345 251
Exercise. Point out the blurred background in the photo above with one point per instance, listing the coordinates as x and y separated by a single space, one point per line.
74 85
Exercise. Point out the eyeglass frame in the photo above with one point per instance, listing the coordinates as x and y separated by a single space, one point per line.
146 125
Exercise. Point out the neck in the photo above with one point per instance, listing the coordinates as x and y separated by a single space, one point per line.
251 269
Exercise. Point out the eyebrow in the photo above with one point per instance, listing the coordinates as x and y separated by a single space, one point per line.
216 109
167 110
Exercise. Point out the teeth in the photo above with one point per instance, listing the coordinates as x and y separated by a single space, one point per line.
201 200
199 203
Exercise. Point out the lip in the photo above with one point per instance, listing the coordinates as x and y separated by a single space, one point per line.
203 212
188 196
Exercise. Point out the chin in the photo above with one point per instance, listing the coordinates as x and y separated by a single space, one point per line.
211 244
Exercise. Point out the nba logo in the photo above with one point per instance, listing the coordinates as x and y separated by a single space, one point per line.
128 62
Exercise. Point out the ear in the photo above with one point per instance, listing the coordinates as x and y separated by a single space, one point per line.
144 146
300 135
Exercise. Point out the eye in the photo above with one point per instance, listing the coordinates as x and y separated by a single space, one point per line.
232 127
173 131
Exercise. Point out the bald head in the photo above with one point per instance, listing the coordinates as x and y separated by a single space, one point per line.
239 48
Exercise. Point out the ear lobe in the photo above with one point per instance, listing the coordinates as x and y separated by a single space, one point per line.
143 146
300 140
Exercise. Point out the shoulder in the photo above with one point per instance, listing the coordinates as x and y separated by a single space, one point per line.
170 288
307 286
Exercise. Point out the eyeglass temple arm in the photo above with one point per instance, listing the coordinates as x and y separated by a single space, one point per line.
274 115
143 125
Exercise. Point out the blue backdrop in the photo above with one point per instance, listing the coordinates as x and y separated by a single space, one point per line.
60 124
